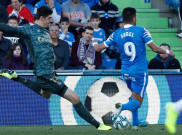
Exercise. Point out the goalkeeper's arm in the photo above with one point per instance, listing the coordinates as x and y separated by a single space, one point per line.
12 31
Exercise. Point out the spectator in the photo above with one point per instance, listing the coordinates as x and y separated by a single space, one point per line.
99 33
164 61
180 17
3 14
113 49
54 5
119 23
15 58
78 13
5 45
83 53
13 21
5 3
64 34
61 48
108 13
30 4
90 3
21 12
177 4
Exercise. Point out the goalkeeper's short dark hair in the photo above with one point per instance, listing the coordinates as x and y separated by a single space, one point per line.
43 11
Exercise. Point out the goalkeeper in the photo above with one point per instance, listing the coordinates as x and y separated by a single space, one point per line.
39 45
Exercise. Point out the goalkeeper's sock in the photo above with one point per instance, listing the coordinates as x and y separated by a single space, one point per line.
29 83
83 112
131 105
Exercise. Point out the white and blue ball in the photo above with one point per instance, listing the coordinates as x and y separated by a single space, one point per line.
121 123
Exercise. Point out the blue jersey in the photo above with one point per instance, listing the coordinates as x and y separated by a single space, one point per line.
57 6
99 35
69 38
131 42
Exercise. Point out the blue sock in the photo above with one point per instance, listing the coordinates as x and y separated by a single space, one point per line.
135 117
131 105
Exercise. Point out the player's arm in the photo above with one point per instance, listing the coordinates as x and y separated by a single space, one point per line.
11 31
159 50
105 44
99 47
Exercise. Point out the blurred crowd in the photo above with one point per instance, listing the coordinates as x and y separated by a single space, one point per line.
75 24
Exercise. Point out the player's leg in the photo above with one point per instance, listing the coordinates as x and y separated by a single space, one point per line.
81 110
132 104
172 112
138 86
10 74
56 86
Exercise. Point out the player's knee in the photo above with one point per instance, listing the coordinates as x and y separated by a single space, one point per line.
75 99
71 96
46 94
137 97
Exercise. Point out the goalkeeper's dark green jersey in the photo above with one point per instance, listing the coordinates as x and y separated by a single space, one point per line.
39 45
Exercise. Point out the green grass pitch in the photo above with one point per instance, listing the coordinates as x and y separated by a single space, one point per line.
82 130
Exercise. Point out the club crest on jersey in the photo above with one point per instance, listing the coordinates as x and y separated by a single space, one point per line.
67 36
100 34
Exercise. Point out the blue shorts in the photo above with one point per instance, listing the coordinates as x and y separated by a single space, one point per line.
137 82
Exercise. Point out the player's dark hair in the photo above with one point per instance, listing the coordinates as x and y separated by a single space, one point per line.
64 19
87 28
13 17
43 11
128 14
164 44
94 16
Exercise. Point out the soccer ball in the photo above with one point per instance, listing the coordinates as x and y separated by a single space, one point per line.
121 122
102 96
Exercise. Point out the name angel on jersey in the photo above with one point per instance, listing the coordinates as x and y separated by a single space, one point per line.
127 34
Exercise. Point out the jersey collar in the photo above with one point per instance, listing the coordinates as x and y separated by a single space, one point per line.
127 25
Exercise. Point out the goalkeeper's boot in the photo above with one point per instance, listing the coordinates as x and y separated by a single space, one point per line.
104 127
171 118
10 74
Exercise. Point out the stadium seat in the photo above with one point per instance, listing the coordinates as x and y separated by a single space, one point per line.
134 3
109 63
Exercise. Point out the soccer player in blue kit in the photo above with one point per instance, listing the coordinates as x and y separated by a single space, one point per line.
131 42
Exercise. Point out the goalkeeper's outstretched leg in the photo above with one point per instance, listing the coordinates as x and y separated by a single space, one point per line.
56 86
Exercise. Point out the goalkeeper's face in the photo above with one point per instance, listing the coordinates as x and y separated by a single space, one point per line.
46 21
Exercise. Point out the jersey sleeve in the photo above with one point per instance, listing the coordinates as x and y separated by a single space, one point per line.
110 40
147 36
13 31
